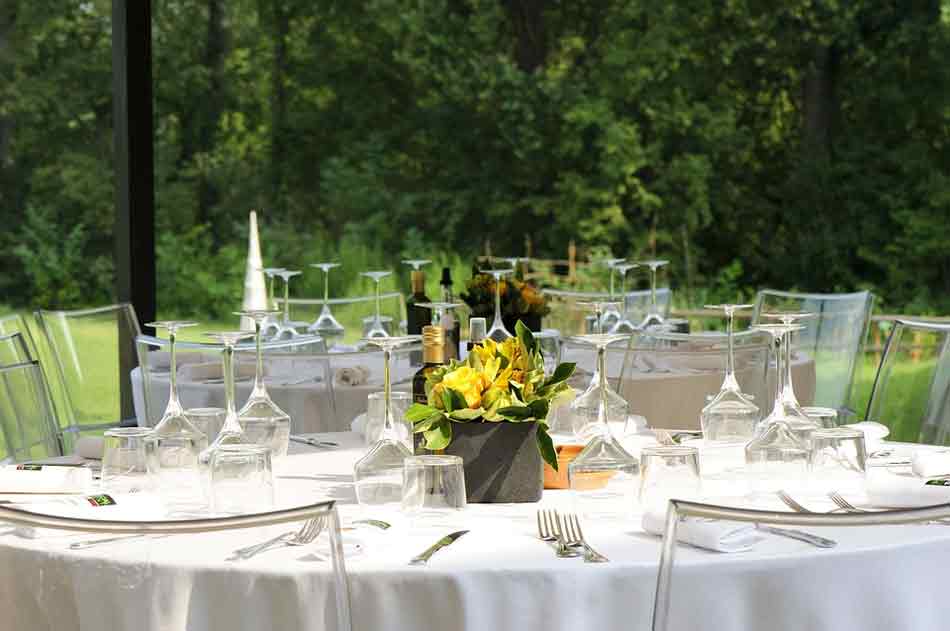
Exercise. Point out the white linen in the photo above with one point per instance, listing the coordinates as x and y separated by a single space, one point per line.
89 447
887 489
874 434
711 534
929 464
44 479
215 370
498 577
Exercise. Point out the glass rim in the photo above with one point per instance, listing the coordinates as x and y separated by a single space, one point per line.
433 460
395 394
240 449
127 432
669 450
208 411
837 432
817 410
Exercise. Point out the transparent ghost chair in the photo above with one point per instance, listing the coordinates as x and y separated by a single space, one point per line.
351 313
27 422
17 323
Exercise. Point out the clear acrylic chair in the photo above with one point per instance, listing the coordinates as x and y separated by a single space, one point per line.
681 509
297 373
833 339
27 424
568 318
91 354
353 313
37 583
686 368
17 323
911 392
14 349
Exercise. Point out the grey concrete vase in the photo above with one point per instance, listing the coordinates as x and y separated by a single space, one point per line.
502 461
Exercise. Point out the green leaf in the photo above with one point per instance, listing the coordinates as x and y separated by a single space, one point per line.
539 408
525 337
516 412
419 412
466 414
546 446
426 424
563 372
439 436
453 400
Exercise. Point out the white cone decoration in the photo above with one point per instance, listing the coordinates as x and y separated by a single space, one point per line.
255 289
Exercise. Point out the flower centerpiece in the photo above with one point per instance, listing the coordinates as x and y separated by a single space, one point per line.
492 410
520 300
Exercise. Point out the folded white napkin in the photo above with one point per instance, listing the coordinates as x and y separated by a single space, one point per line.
711 534
102 505
929 464
89 447
214 370
351 376
44 479
887 489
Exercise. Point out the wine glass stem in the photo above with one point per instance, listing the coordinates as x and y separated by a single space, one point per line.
656 310
612 270
286 302
326 287
497 321
259 370
271 303
730 381
788 393
174 404
602 408
388 429
379 318
779 372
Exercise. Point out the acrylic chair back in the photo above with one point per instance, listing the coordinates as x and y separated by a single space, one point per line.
834 338
27 425
89 357
911 392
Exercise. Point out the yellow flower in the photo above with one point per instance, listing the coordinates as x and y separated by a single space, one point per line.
468 382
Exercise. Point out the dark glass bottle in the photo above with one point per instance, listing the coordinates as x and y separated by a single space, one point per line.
450 323
416 316
433 356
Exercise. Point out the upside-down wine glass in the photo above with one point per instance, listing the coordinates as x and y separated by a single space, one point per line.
231 432
288 330
326 326
272 326
602 475
514 260
790 318
777 457
261 419
416 264
653 318
498 332
378 474
178 442
731 416
624 324
377 330
612 315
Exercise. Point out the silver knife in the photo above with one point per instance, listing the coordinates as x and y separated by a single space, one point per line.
799 535
445 541
313 442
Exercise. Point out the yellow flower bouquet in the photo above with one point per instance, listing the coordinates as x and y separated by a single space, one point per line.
497 382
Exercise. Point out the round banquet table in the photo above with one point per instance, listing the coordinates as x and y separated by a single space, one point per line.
498 577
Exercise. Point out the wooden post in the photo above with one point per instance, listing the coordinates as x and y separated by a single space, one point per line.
527 246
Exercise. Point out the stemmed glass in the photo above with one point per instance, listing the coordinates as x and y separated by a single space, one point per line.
789 318
326 326
624 325
612 315
377 330
731 416
416 263
498 332
786 404
514 260
287 330
378 474
653 318
178 442
272 326
261 419
602 474
231 433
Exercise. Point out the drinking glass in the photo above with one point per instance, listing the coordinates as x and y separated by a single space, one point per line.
603 474
208 420
584 408
326 326
263 421
786 407
288 329
498 332
477 330
178 443
272 326
653 318
433 486
242 479
549 341
624 324
790 318
378 474
128 460
377 330
231 432
838 458
611 315
825 417
668 472
376 417
416 264
731 416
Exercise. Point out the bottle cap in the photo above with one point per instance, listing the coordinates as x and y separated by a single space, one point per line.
433 344
446 276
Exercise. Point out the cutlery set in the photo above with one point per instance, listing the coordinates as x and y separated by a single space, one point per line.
567 536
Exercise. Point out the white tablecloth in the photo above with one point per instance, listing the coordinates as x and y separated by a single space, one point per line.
498 577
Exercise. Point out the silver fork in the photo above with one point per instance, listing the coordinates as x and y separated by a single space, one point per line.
848 507
574 536
309 531
548 531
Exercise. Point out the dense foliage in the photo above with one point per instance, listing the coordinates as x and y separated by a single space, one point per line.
801 144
